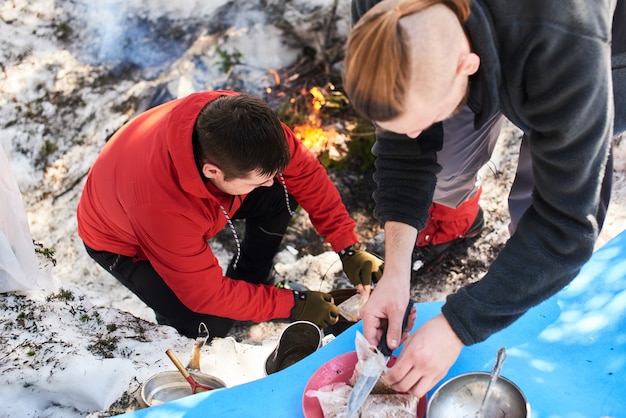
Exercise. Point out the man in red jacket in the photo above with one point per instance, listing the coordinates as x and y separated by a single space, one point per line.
174 176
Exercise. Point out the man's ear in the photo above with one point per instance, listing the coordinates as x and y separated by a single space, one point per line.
468 64
211 171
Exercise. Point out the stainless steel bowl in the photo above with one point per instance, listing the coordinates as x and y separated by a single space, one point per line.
168 386
462 395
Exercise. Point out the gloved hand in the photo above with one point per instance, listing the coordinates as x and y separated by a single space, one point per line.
361 267
316 307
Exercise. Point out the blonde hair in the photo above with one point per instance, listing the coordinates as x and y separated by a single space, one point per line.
377 66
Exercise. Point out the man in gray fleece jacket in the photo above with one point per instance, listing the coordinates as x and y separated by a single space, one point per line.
437 77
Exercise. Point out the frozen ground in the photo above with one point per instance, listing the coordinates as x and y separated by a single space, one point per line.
71 73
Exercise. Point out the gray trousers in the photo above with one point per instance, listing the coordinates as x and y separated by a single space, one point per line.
466 150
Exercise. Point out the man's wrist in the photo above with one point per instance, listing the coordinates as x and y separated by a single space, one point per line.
349 250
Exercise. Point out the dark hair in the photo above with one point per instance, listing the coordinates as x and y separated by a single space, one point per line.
377 61
240 134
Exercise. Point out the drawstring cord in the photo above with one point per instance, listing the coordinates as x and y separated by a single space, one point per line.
234 232
282 181
115 263
232 226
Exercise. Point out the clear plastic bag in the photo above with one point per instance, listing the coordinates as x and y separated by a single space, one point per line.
19 266
382 402
333 399
349 308
371 360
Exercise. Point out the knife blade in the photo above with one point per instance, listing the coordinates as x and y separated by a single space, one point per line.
365 384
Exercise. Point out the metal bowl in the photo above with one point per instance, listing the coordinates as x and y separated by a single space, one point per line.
462 395
169 386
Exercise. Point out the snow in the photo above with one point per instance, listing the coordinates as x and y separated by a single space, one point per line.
72 72
68 72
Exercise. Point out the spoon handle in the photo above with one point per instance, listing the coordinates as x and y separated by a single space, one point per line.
495 373
177 363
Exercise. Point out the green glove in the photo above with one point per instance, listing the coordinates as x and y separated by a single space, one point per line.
361 267
316 307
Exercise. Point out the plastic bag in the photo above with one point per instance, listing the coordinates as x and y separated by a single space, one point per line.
19 266
349 308
333 399
371 360
382 402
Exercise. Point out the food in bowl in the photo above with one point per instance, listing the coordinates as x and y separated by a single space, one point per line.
339 371
333 400
462 396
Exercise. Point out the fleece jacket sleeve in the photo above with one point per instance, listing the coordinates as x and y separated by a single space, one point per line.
561 97
405 175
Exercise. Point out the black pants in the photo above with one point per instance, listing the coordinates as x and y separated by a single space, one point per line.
267 217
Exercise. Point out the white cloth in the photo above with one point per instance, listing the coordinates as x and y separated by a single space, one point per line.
19 266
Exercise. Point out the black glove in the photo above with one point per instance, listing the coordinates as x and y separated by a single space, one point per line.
360 266
316 307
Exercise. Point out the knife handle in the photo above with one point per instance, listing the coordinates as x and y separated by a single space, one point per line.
382 345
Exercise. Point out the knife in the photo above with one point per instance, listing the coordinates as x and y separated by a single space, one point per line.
365 384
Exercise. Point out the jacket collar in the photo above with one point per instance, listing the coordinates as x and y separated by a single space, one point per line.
483 97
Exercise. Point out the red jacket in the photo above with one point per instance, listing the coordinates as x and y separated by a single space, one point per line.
144 198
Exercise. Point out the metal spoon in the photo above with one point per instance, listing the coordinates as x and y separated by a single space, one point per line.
495 373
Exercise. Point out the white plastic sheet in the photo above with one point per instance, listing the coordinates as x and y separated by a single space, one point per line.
19 266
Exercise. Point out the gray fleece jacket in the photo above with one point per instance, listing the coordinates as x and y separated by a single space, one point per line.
547 67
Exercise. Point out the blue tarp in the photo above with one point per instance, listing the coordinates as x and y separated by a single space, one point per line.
568 355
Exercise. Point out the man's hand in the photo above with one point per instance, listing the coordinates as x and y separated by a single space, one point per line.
425 359
384 310
386 305
433 348
316 307
362 268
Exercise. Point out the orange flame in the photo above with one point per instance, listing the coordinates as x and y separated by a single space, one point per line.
316 137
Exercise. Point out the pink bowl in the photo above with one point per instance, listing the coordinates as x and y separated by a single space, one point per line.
338 370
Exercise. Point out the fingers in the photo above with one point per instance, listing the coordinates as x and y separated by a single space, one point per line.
373 328
333 310
376 275
367 291
362 267
333 316
410 323
425 359
377 272
365 274
409 375
394 330
375 313
364 290
413 382
372 269
317 307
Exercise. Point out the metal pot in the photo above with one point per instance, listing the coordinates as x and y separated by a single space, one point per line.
462 395
171 385
298 340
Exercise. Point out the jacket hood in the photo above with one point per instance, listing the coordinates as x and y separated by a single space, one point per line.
179 131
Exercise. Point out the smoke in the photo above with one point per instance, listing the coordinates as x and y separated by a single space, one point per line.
125 39
194 44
